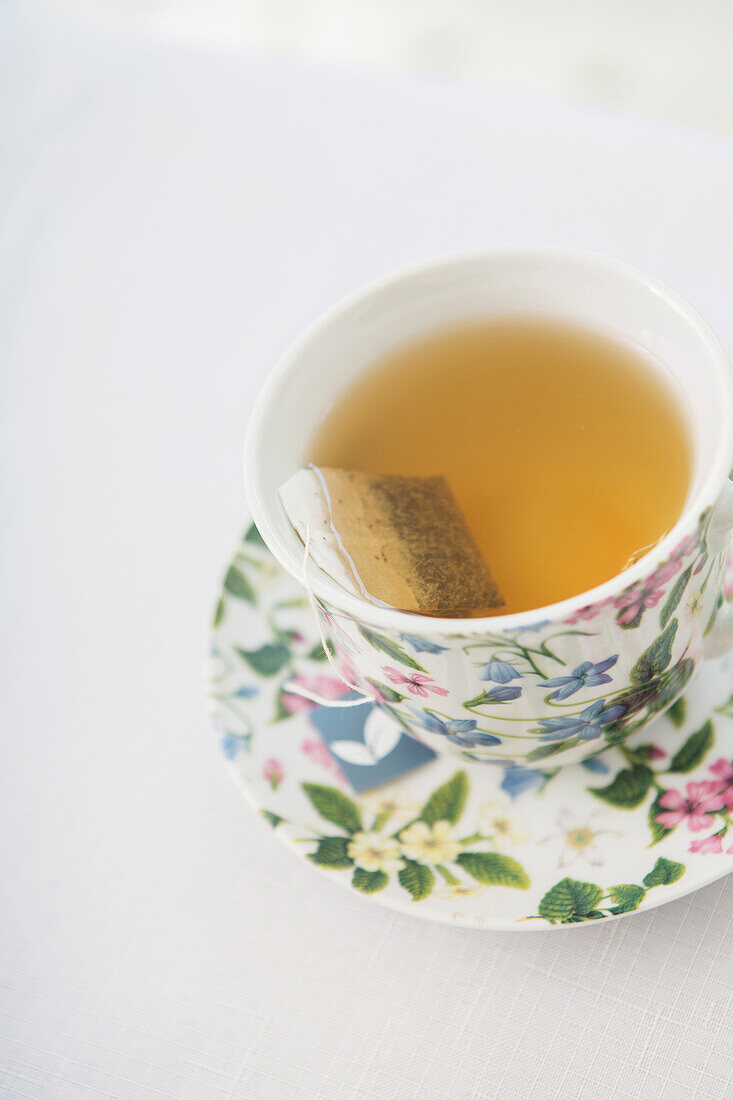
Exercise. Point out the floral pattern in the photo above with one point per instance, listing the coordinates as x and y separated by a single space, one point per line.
475 846
417 683
421 852
554 687
585 675
586 726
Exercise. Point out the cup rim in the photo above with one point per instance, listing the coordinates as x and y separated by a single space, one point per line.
328 590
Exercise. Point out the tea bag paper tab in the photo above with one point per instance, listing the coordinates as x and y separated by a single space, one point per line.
368 745
401 541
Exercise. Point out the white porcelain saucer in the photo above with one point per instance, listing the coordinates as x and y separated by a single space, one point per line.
475 845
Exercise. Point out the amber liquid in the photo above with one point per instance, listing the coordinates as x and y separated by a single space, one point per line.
566 450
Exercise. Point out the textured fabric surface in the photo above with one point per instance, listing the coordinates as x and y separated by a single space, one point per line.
169 221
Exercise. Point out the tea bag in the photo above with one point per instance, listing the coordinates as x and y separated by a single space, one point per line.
396 541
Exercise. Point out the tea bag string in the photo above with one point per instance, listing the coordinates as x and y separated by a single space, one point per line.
293 688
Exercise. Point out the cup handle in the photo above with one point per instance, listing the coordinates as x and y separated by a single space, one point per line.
720 638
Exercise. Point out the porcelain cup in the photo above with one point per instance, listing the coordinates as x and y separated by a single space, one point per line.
557 683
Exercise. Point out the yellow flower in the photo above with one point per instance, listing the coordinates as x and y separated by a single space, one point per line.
459 890
373 852
391 807
428 844
503 827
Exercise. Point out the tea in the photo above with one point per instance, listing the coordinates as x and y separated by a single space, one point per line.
565 449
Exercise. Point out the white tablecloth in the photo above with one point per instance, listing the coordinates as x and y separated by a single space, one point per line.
169 220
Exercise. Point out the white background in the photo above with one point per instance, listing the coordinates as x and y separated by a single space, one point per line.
665 58
169 220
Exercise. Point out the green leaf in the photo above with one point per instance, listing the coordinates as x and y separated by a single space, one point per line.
617 733
627 897
271 818
387 693
694 750
268 659
494 869
655 659
570 901
477 701
672 682
447 802
318 653
255 537
417 879
369 882
237 584
664 872
634 622
641 752
674 597
390 647
281 711
656 828
332 852
334 806
219 613
677 711
628 789
711 621
551 749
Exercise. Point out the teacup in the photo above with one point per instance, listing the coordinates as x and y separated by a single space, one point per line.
561 681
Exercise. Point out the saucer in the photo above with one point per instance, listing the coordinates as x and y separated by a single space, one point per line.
480 845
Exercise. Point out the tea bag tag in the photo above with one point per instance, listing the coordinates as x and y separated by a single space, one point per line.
307 503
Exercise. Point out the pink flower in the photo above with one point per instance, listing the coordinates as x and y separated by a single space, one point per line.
708 846
274 772
655 753
636 601
688 544
695 807
646 594
665 572
417 683
319 754
347 669
585 614
327 686
723 769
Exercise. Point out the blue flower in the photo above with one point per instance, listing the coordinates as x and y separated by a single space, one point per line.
471 741
422 645
232 743
528 627
585 675
501 672
587 725
501 695
246 692
431 722
461 731
517 780
596 765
